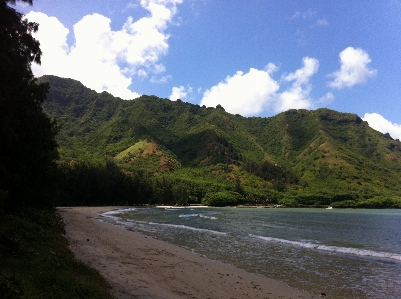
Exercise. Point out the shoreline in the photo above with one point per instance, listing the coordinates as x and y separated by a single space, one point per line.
138 266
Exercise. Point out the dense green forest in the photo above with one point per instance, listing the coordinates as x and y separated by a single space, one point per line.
156 151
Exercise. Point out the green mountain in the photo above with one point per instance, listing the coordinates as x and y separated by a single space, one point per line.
296 157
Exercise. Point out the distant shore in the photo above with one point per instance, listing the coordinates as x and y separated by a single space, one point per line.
137 266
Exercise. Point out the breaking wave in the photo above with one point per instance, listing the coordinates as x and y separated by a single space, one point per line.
334 249
190 228
197 215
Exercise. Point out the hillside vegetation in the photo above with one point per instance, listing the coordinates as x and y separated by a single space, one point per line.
186 152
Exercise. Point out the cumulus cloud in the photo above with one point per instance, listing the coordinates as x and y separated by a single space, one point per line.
354 69
103 59
251 93
301 76
379 123
298 95
180 93
53 42
243 93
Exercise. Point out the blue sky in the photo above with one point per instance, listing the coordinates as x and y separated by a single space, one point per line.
255 58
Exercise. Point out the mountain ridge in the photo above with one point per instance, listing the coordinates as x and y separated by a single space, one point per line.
330 152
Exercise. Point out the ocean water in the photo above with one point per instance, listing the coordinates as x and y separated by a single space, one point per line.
343 253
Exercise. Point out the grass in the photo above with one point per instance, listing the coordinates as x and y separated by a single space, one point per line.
134 150
35 261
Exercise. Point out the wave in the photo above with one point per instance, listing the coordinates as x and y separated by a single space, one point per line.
119 211
189 228
110 215
129 223
335 249
197 215
208 217
188 215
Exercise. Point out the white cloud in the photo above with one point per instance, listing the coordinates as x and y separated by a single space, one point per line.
301 76
130 5
379 123
294 98
243 93
304 15
271 68
162 79
142 73
297 96
354 68
180 93
251 93
103 59
326 99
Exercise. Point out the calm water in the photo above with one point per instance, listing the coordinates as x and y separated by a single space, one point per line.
344 253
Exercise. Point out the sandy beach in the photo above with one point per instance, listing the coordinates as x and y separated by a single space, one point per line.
137 266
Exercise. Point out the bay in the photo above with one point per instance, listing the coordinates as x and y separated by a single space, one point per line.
343 253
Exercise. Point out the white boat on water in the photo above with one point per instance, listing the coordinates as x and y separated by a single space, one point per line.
329 208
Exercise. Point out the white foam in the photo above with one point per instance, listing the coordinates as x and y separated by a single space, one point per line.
337 249
207 217
113 212
188 215
189 228
117 220
197 215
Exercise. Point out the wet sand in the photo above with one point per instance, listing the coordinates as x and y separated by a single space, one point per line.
137 266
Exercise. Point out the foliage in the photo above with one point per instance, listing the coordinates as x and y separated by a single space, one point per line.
322 156
83 183
36 261
375 202
272 172
222 198
148 157
28 148
103 184
289 203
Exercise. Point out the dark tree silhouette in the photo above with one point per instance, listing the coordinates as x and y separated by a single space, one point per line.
28 149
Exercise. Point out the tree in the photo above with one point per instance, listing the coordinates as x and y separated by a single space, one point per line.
28 149
222 198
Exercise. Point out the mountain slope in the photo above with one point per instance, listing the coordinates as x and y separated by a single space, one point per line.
331 153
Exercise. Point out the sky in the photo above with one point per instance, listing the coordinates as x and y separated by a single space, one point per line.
253 57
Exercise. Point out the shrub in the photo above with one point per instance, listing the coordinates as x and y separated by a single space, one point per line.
222 198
